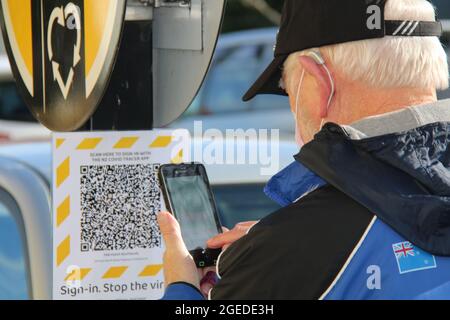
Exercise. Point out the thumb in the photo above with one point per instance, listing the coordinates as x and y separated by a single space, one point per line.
171 232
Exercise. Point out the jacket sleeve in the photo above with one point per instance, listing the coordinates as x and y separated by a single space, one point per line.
182 291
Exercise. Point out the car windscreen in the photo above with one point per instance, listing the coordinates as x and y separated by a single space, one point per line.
12 106
443 8
242 202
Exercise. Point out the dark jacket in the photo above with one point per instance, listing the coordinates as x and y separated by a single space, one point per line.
402 176
296 253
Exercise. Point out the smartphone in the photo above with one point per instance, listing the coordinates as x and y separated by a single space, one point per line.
188 196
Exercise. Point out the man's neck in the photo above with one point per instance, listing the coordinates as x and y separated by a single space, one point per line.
359 102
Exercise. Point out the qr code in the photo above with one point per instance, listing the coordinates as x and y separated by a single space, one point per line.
119 204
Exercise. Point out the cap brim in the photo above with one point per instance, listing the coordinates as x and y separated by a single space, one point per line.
269 81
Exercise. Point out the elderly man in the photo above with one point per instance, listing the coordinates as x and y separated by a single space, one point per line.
367 202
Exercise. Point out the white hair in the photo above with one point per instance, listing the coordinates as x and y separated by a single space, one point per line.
390 62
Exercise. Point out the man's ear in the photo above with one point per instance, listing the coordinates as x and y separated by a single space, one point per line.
318 72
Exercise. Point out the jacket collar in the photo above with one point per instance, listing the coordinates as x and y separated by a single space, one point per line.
399 121
292 183
295 181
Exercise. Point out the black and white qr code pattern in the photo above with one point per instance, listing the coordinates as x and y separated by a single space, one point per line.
119 204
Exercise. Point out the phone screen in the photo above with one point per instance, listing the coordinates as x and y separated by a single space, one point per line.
193 208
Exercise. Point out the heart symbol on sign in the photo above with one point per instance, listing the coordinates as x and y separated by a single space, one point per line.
60 15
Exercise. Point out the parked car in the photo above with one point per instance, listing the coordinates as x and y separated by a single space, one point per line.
239 58
16 122
25 211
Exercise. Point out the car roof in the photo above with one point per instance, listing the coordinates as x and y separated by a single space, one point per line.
38 156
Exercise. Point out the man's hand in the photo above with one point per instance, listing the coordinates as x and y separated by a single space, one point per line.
227 238
178 263
223 241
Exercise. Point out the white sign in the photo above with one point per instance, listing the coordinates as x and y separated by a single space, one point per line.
106 240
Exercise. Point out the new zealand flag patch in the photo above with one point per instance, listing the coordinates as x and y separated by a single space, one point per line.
410 258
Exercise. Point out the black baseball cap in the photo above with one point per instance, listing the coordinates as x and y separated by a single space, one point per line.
307 24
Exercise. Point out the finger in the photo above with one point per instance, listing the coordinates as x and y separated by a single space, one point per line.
205 288
202 272
225 238
224 230
207 270
208 282
228 237
247 223
170 230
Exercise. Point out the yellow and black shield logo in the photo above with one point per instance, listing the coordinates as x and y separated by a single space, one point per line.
62 53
